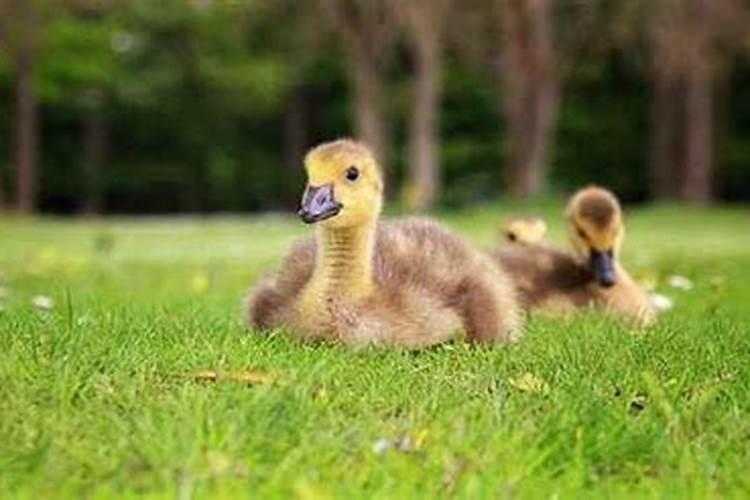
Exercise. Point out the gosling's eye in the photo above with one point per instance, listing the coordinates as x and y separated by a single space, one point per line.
510 236
582 234
352 174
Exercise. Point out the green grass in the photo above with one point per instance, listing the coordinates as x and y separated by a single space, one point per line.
98 397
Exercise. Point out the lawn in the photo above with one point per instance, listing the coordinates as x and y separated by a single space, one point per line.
99 394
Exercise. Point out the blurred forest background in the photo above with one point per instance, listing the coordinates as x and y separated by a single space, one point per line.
147 106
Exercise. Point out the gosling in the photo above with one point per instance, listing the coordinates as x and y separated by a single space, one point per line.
361 281
552 280
524 230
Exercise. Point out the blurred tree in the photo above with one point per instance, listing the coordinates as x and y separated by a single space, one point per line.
43 76
367 32
300 46
208 67
79 70
689 43
207 105
3 48
22 31
530 81
424 22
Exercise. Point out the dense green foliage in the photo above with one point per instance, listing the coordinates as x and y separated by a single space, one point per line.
98 396
194 96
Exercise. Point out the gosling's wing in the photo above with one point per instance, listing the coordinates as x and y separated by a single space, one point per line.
297 267
541 272
277 290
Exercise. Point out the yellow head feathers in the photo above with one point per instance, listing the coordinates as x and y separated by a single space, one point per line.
595 219
344 185
596 230
525 230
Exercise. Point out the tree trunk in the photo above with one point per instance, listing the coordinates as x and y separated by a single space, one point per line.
531 138
26 126
696 183
2 192
424 163
94 156
531 94
665 127
296 137
367 34
368 103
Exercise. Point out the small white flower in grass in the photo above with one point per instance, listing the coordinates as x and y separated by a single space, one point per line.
43 303
404 444
661 302
381 446
680 282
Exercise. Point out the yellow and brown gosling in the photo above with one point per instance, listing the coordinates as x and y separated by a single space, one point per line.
524 230
362 281
552 280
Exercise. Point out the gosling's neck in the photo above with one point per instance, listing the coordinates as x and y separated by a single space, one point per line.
345 260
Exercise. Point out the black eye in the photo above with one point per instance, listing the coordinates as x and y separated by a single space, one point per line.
511 236
582 234
352 174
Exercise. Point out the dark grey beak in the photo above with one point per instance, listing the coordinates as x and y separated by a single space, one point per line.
318 203
603 266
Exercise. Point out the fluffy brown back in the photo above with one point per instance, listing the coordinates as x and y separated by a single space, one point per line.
543 274
277 290
550 280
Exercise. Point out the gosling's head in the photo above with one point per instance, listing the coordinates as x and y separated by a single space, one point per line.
596 230
525 230
344 185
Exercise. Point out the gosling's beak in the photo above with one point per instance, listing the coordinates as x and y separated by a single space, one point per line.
603 266
318 203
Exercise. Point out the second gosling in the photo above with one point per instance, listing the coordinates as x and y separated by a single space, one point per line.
362 281
524 230
553 280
